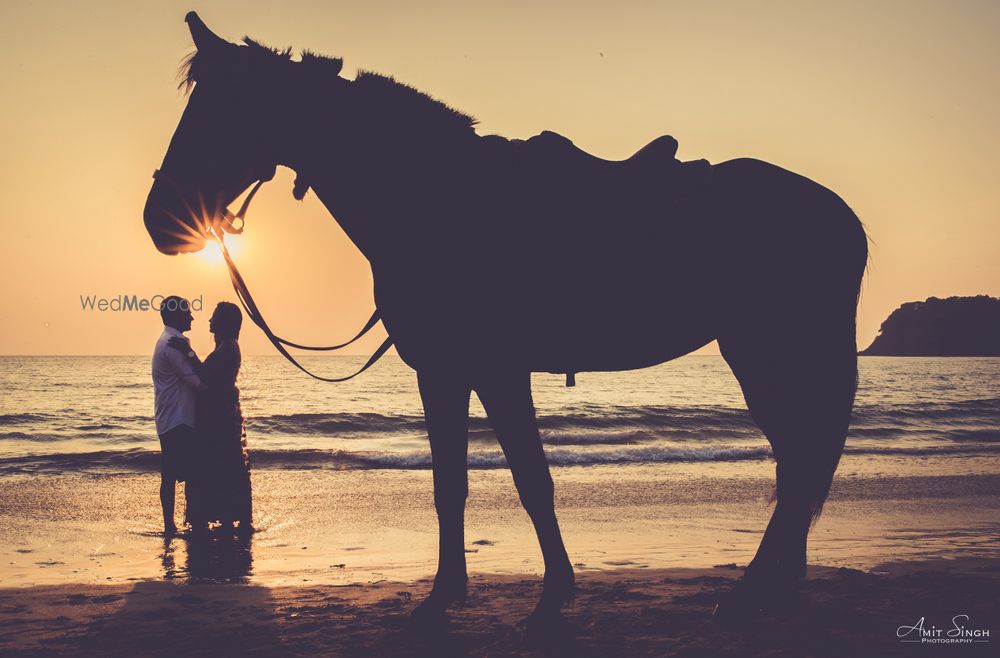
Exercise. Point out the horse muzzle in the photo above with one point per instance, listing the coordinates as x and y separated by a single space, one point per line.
174 224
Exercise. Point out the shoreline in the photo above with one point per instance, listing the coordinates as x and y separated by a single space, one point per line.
342 527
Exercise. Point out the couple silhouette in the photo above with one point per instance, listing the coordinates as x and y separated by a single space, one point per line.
199 421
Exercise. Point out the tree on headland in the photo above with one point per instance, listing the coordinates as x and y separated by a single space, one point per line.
956 326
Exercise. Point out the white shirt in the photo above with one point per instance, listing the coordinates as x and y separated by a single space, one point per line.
174 385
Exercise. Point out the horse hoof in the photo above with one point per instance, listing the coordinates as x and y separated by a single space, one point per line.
432 612
429 617
749 599
547 627
735 611
558 590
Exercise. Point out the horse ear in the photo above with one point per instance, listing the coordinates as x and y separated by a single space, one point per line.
204 38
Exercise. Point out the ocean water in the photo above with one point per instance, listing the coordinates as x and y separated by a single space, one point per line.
94 415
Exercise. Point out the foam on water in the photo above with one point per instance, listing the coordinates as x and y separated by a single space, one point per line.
94 414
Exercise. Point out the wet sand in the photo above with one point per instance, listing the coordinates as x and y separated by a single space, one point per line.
343 527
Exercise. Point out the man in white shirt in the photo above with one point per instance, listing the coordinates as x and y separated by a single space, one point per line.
174 387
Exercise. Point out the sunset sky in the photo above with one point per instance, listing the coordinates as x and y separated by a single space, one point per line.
893 105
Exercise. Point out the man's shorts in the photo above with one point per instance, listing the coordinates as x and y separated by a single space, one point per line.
176 452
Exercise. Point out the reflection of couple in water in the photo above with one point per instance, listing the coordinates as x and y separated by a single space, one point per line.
199 421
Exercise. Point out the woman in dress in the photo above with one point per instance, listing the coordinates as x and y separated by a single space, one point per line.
218 490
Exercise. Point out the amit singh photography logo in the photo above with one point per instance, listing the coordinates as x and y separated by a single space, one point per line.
122 303
959 632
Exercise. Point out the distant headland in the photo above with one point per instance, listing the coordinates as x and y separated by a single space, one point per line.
956 326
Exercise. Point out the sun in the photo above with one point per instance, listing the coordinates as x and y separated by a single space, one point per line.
212 253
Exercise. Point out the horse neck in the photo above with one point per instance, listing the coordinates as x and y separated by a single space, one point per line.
377 184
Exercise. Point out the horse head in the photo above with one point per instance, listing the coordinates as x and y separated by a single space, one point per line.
225 142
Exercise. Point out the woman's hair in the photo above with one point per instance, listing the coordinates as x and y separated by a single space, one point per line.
228 320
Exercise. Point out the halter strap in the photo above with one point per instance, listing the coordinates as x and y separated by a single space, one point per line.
253 312
227 225
229 218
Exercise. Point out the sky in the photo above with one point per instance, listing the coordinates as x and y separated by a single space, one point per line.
893 105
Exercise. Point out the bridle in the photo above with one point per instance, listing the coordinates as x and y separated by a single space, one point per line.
227 223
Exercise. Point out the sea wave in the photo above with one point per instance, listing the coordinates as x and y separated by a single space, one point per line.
677 418
101 437
141 460
922 411
17 419
958 421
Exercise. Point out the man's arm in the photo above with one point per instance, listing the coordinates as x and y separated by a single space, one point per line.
184 370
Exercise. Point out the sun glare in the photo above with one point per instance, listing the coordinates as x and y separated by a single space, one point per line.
212 253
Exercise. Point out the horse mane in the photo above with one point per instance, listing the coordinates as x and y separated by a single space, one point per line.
392 101
191 65
401 103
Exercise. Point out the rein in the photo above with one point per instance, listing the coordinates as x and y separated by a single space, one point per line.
227 224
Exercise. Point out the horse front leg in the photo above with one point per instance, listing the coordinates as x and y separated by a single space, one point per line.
508 403
446 412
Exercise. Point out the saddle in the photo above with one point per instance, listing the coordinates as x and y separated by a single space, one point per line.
660 152
566 214
656 161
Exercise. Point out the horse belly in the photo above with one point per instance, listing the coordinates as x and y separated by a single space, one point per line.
598 281
618 323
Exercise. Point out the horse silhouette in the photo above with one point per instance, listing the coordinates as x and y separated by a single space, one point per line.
495 258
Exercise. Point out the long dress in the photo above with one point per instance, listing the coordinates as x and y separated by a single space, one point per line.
222 491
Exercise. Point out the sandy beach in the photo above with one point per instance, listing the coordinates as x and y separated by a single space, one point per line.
661 612
660 478
342 557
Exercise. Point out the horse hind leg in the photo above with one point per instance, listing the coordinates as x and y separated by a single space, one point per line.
801 397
